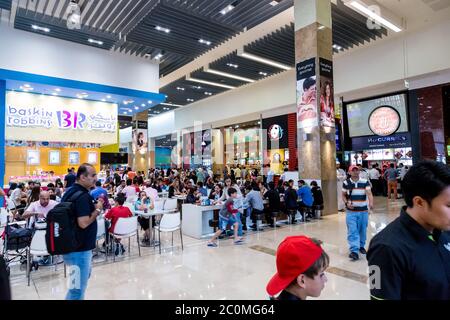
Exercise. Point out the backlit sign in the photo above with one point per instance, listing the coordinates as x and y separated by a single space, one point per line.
384 121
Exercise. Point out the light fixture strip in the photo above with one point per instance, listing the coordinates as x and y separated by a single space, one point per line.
229 75
215 84
265 61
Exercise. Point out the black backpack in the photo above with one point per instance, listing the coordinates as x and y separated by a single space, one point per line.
61 235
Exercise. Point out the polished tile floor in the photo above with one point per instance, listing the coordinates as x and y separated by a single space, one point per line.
226 272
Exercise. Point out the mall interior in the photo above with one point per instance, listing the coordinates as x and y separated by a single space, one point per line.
254 91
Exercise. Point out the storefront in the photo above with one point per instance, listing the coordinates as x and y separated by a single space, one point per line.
377 131
59 124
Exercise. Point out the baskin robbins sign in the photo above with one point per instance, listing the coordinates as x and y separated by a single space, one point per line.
33 117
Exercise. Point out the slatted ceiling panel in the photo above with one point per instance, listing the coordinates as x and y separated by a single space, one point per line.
24 21
200 74
5 4
88 14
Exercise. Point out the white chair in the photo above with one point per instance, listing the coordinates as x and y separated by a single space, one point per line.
101 232
171 204
38 247
10 205
170 222
3 217
159 204
126 228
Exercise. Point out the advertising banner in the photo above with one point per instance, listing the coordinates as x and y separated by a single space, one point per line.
140 137
33 117
327 114
307 116
277 132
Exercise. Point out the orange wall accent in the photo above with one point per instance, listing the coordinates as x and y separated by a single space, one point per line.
16 161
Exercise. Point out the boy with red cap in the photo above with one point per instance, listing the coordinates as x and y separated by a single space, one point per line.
301 264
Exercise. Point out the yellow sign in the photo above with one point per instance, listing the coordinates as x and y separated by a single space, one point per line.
34 117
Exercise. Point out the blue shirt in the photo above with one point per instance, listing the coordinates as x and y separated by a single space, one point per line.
254 200
97 192
305 194
203 191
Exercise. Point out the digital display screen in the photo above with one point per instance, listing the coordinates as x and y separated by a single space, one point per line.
359 113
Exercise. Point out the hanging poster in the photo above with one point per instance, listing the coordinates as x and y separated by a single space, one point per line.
33 157
327 115
54 157
74 157
140 137
307 116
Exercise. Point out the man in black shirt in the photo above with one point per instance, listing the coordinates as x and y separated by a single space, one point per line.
80 261
69 179
410 258
274 203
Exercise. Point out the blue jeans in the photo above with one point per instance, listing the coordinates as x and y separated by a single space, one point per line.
79 266
357 230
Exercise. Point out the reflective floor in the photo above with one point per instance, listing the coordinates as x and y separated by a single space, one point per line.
225 272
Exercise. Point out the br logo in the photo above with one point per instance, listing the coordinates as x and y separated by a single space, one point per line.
371 23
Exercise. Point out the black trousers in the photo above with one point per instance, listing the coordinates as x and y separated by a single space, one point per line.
267 215
375 186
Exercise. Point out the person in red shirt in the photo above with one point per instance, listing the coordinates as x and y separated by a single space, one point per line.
119 211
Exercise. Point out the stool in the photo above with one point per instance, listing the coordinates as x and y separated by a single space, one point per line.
214 223
293 213
275 215
317 210
258 217
307 213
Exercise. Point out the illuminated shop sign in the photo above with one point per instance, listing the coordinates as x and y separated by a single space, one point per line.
33 117
384 121
275 132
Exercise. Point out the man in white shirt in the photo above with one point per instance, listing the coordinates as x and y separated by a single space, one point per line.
129 190
341 176
41 207
151 192
374 177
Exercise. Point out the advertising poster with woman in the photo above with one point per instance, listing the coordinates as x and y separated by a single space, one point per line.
327 114
307 116
140 139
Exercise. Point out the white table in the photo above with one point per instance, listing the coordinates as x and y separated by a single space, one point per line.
196 218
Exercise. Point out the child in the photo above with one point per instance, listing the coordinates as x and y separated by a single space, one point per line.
119 211
227 217
301 263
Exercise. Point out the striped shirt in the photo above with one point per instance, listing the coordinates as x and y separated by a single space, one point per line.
358 197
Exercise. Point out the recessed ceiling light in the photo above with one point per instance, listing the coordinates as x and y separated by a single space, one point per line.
100 43
136 108
58 90
103 100
27 86
108 97
215 84
190 100
232 65
143 105
274 3
229 75
337 47
263 73
204 42
180 88
208 93
158 56
36 27
124 112
150 102
269 62
159 28
54 94
227 9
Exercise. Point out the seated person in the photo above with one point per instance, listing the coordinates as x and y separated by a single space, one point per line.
143 203
19 196
95 193
151 191
39 209
317 196
192 197
216 193
274 200
119 211
202 189
53 195
255 201
305 195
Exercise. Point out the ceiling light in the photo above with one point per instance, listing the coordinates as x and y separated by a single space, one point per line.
166 30
337 47
274 3
165 108
232 65
215 84
263 73
204 42
375 16
208 93
269 62
136 108
108 97
158 56
54 94
180 88
124 112
103 100
82 95
58 90
125 102
149 102
227 9
321 27
143 105
197 87
229 75
190 100
25 88
35 27
100 43
237 126
170 104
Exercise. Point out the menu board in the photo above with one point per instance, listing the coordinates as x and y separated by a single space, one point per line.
33 157
54 157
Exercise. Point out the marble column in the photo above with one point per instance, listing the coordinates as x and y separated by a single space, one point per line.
315 103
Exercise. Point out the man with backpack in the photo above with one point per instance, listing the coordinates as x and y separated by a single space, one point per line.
85 213
358 199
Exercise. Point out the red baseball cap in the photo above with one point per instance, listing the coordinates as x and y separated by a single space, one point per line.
295 255
351 168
